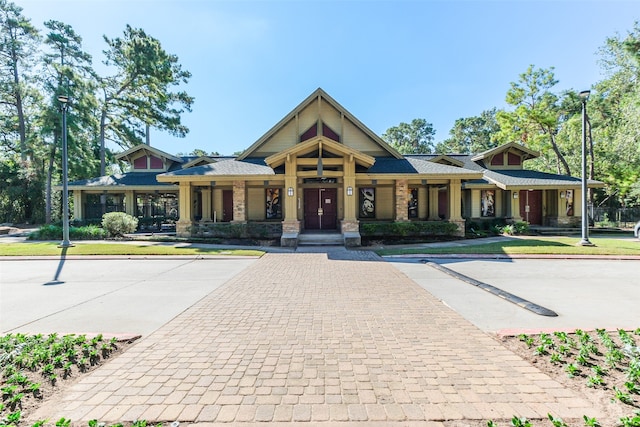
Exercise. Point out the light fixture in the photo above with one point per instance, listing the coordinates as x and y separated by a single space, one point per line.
290 191
64 104
515 194
349 191
584 95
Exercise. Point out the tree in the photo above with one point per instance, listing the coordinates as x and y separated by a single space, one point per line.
536 119
411 138
615 113
68 72
471 135
139 92
18 101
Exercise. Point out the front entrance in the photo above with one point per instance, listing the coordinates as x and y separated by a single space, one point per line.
227 205
320 208
531 206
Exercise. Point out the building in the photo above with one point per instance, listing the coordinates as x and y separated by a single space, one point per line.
321 169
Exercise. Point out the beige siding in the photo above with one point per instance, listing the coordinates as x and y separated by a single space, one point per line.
331 117
358 140
256 204
283 139
308 117
385 203
476 204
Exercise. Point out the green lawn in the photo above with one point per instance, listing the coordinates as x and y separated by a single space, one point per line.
51 248
533 245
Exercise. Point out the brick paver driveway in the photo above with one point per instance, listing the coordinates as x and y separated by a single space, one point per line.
311 337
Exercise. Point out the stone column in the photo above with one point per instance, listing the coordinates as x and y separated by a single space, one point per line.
239 202
402 209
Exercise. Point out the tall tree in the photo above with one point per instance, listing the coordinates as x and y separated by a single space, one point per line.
68 72
18 101
615 113
471 134
411 138
140 93
536 119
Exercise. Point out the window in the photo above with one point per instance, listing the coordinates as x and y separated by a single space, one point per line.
488 198
412 203
140 163
367 203
273 206
155 162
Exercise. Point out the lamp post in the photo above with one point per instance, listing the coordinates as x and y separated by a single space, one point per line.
584 96
64 104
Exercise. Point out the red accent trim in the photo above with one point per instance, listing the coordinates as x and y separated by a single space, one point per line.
329 133
497 160
140 163
156 162
309 133
514 160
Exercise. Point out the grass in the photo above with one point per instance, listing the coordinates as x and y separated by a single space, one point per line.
532 245
52 249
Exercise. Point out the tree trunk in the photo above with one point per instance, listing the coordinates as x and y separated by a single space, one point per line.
50 168
563 161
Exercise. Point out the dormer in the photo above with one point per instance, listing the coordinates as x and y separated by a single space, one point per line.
447 160
200 161
144 158
507 156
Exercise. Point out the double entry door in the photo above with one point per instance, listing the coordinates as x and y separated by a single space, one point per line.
320 208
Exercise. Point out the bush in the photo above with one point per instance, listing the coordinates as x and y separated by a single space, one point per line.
118 224
404 229
54 232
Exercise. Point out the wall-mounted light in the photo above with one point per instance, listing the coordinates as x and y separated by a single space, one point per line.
374 182
562 194
424 182
515 195
349 191
290 191
213 183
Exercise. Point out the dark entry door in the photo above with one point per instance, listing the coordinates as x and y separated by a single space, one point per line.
227 205
531 206
320 208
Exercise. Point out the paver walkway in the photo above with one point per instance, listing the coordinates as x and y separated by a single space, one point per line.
311 337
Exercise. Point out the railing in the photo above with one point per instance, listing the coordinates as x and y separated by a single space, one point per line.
617 217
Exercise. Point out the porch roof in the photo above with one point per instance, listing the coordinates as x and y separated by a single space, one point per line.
412 165
522 178
130 180
229 168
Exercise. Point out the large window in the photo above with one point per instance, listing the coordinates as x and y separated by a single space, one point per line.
273 206
367 203
488 200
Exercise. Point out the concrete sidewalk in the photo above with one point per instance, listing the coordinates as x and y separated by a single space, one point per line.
321 338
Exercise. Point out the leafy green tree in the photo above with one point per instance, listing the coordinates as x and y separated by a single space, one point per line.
615 113
18 108
140 93
416 137
68 71
537 116
471 134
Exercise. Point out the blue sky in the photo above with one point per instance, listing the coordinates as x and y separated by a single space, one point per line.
384 61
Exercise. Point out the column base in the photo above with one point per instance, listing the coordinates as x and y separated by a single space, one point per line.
351 233
183 228
290 232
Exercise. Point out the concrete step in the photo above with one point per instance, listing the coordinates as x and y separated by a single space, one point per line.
320 239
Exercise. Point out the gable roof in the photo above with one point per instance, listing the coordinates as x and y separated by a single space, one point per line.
312 144
511 146
199 161
310 99
228 168
147 149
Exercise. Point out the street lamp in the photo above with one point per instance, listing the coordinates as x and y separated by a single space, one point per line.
64 104
584 96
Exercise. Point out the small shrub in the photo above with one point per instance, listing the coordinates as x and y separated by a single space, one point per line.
118 224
